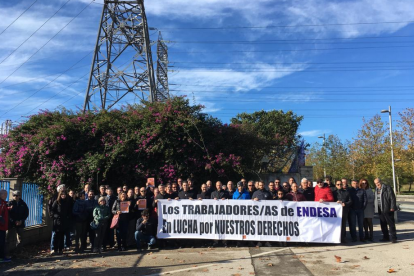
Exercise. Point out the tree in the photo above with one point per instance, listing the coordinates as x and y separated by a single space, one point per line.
334 157
276 132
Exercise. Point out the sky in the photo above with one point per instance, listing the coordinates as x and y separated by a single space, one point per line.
334 62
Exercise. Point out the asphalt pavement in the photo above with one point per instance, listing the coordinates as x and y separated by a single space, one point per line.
360 258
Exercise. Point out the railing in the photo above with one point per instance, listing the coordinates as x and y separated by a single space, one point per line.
5 185
34 200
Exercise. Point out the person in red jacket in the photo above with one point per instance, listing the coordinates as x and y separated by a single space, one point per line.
4 225
322 192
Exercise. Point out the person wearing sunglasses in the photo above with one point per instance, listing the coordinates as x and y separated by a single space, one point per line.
342 196
251 188
18 213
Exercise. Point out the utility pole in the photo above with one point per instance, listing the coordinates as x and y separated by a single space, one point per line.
122 62
163 91
324 155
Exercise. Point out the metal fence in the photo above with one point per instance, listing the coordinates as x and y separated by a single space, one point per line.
34 200
5 185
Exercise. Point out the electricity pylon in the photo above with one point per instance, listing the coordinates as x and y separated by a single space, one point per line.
122 62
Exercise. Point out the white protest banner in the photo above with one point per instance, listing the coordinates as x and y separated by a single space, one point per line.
266 220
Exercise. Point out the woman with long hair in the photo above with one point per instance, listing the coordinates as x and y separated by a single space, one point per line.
61 213
369 210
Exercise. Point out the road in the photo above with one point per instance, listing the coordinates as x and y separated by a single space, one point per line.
358 258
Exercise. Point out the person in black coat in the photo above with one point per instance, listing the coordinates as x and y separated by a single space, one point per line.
342 196
204 194
186 193
356 213
219 193
61 213
123 221
18 213
385 206
145 229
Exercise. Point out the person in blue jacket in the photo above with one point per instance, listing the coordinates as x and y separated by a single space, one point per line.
241 193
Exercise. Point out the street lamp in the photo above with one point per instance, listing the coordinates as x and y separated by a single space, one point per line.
324 153
392 148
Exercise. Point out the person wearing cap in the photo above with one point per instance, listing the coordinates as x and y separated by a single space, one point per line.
241 193
101 215
4 225
18 213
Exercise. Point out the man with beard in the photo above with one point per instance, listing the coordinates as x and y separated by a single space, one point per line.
219 193
203 194
185 193
272 190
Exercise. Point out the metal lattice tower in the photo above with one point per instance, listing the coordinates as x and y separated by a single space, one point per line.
163 92
122 62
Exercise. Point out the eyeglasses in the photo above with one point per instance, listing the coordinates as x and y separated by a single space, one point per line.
338 184
285 186
15 195
250 185
142 191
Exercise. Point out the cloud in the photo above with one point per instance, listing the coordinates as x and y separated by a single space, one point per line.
314 132
345 12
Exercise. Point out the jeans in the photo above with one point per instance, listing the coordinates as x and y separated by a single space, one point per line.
387 218
357 216
52 241
2 244
122 233
139 237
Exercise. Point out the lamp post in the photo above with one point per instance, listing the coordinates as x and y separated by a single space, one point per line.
324 154
392 148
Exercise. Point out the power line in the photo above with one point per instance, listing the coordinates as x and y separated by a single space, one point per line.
298 70
41 26
288 50
58 93
38 50
18 18
294 63
284 26
307 87
37 91
286 40
46 76
270 42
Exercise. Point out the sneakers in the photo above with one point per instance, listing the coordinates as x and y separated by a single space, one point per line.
149 247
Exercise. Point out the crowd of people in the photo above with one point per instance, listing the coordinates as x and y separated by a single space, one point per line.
130 214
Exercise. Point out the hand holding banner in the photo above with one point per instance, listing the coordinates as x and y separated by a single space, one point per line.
270 220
